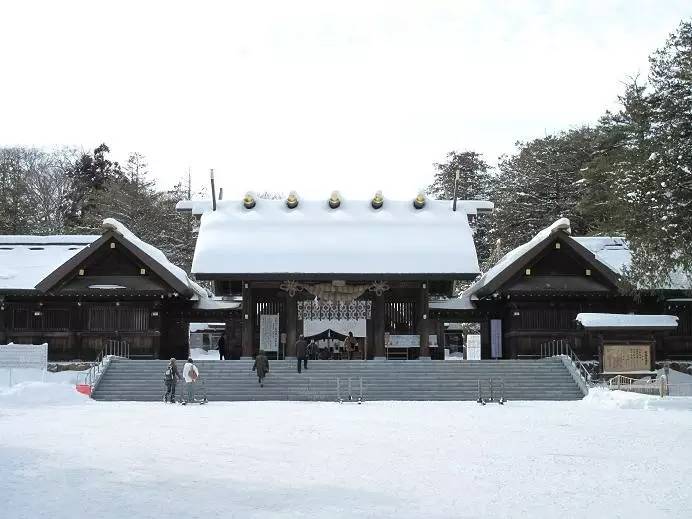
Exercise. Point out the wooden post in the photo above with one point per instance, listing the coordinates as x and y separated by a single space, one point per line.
423 311
248 320
3 325
74 345
378 327
291 326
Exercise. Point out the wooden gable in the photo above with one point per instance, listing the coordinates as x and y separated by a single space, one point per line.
112 266
558 265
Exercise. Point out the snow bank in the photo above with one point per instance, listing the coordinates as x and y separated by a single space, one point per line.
39 394
602 398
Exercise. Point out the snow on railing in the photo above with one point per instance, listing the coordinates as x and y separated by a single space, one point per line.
561 348
648 386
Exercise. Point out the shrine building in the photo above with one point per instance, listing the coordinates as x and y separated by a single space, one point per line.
324 268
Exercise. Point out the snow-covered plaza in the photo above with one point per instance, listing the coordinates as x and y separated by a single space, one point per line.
611 455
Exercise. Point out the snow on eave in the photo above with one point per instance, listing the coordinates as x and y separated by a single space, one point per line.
111 224
454 303
509 259
604 321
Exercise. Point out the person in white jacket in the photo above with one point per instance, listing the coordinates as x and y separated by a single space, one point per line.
190 374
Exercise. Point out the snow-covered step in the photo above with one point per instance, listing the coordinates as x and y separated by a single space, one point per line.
546 379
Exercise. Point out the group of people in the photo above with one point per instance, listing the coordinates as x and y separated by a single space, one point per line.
172 375
304 351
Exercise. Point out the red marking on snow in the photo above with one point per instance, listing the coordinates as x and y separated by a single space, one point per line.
85 389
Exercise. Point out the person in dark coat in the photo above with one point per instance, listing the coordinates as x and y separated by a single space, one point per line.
312 350
261 366
350 345
222 348
301 352
171 377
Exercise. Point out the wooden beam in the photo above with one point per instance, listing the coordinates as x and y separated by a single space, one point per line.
378 327
422 311
291 326
248 319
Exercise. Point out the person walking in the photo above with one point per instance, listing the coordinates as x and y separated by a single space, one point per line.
261 366
301 352
350 345
312 350
171 377
190 374
222 348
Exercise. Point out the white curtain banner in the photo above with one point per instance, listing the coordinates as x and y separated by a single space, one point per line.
269 332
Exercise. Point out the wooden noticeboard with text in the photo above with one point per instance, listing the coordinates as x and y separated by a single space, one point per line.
624 358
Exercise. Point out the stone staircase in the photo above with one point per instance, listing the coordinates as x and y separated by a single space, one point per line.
545 379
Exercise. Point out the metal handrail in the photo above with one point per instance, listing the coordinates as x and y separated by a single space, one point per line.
562 348
118 349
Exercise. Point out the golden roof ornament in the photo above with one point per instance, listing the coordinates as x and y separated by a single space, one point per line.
249 201
292 200
334 200
377 200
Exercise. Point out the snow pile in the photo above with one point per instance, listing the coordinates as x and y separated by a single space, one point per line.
603 398
35 394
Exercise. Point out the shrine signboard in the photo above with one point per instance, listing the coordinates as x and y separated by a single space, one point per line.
269 332
623 358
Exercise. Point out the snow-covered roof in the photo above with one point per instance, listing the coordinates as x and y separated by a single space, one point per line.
649 322
26 260
615 253
612 252
351 239
111 224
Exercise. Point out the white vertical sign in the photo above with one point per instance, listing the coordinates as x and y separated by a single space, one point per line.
269 332
473 347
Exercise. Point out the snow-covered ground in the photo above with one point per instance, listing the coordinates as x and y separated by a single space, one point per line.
611 455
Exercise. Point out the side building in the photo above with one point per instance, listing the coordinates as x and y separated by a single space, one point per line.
531 299
84 295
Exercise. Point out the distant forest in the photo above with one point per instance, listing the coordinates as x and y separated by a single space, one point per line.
630 174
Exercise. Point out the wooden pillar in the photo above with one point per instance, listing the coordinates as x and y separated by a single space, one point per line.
291 326
378 327
248 320
74 343
4 312
422 311
599 345
486 350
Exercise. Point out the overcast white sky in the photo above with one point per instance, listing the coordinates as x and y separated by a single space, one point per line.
315 95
